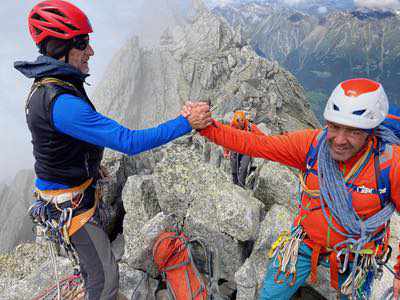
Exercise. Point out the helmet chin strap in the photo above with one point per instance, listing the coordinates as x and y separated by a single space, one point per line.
67 51
67 55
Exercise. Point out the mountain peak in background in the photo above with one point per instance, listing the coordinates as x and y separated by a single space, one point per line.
323 49
370 14
378 4
317 6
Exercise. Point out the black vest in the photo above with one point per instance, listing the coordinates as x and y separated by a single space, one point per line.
60 158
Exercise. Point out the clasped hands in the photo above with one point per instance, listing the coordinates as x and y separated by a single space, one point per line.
197 113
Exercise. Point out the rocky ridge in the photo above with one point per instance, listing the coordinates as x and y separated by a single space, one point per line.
205 59
310 6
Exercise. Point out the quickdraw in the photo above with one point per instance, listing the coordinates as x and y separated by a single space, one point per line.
287 252
281 241
362 279
369 268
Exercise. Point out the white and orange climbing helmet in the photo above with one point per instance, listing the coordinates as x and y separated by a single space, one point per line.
360 103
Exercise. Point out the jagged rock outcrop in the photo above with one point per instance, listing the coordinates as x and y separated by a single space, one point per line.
186 194
269 188
15 200
206 60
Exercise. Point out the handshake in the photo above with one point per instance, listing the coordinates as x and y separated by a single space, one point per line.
197 113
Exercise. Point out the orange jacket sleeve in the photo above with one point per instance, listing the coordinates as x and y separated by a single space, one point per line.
254 130
394 177
288 149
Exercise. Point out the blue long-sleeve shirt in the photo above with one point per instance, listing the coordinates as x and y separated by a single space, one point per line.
73 116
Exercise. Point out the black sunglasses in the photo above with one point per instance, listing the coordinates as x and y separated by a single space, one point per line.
80 43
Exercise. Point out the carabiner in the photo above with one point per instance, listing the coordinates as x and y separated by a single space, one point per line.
279 271
384 259
343 267
293 281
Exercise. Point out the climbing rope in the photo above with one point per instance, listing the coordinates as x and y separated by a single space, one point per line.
54 263
68 288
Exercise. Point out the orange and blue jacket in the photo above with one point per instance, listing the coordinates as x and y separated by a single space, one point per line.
291 149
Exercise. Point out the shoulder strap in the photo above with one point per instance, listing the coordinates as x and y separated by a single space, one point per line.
312 154
47 81
382 173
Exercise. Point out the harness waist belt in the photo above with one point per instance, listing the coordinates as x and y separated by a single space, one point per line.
61 196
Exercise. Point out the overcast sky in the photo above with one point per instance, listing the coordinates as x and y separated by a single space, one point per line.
112 21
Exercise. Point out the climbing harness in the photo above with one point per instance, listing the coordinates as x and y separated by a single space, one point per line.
54 212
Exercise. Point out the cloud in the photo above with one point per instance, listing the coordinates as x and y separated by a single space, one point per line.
294 2
322 10
378 4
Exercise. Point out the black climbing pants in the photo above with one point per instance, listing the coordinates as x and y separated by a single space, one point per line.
240 168
98 266
97 263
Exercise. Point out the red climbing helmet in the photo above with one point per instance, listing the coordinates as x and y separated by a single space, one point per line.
58 19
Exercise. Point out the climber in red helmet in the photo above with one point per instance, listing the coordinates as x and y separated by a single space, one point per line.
68 137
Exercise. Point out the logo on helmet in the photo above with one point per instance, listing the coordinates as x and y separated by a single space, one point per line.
351 93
